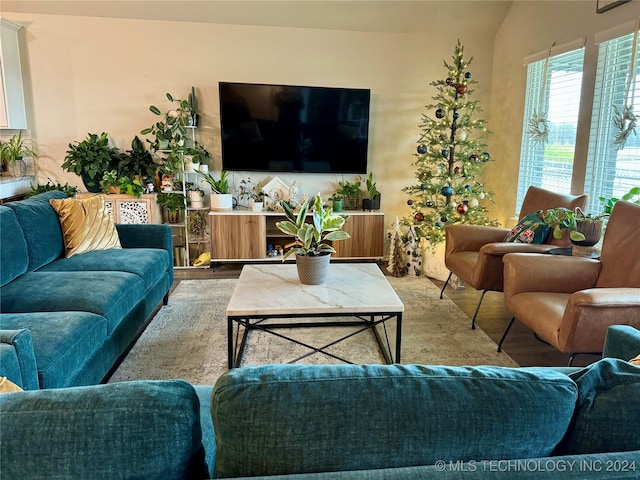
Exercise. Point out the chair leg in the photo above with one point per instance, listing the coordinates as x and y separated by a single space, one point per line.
504 335
573 356
475 314
445 284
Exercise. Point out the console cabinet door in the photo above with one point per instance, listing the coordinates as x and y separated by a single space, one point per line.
238 237
367 237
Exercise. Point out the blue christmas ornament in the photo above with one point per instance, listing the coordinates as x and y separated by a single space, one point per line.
438 224
467 75
447 191
467 187
486 156
422 149
456 116
423 186
445 153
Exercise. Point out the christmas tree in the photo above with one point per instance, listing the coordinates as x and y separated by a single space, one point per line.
450 155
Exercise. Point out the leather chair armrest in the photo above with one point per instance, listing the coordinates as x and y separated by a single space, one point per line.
533 272
470 238
502 248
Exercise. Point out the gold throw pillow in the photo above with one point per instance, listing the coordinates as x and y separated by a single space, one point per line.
7 386
86 225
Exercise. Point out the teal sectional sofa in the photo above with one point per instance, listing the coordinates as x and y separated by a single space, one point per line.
81 313
338 422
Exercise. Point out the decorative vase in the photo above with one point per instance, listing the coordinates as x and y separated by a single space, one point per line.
313 270
17 168
592 231
221 202
337 205
256 206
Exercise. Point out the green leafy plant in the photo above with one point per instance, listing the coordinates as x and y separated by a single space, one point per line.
372 191
199 153
348 189
138 162
172 201
220 185
197 224
67 189
16 149
121 184
173 127
633 195
312 238
91 157
563 218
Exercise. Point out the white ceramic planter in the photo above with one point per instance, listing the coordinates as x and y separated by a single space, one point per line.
256 206
196 200
221 202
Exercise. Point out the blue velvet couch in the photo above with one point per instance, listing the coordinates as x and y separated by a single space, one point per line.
338 422
74 317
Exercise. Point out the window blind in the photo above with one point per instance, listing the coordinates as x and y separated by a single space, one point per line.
612 171
552 89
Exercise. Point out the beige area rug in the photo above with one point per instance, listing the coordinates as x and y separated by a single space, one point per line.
187 339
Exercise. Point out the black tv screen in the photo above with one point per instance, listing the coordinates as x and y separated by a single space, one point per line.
286 128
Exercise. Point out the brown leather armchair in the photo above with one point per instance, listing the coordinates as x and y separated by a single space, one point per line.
570 302
474 252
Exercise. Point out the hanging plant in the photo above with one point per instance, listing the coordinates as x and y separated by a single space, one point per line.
624 121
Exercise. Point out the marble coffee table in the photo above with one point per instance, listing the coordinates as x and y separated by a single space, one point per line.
269 298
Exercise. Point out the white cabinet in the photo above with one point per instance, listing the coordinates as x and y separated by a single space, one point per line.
12 110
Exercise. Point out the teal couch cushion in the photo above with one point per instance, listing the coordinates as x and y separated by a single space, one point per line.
607 417
131 430
111 295
13 247
41 228
280 419
149 264
62 341
17 357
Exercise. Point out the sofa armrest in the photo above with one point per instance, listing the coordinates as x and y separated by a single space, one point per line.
470 238
532 272
622 341
17 358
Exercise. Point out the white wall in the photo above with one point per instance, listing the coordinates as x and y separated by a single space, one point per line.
88 74
531 27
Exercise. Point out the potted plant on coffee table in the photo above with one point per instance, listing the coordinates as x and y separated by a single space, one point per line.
585 229
312 246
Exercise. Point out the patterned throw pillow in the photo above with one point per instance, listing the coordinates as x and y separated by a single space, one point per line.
7 386
531 229
86 225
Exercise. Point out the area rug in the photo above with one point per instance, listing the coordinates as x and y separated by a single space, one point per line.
187 339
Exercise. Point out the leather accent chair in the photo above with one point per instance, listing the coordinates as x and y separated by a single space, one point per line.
570 302
474 252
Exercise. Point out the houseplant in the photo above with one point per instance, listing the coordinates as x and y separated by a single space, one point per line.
13 153
195 195
172 128
585 229
337 201
90 158
172 204
68 190
351 193
373 200
138 162
221 199
112 182
312 246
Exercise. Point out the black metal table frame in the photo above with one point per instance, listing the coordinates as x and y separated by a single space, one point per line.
367 321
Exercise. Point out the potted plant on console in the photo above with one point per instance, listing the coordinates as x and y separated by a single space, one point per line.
221 198
173 204
350 192
373 201
90 158
337 201
312 246
13 153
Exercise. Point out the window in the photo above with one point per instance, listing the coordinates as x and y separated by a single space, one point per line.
611 170
553 93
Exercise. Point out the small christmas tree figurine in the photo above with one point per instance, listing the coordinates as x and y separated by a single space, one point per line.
450 154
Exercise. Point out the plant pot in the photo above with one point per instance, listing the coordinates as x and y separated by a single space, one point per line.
338 205
90 184
113 189
256 206
189 165
221 202
592 231
196 200
17 168
163 144
370 204
313 270
172 216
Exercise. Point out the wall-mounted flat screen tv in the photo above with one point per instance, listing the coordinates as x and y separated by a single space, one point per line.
286 128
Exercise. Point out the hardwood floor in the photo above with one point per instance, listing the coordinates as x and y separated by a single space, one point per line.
521 344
